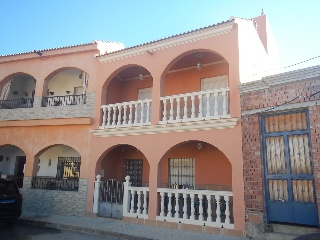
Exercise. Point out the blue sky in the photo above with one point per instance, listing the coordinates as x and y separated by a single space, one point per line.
26 25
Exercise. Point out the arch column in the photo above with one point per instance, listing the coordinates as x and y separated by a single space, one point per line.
157 91
153 186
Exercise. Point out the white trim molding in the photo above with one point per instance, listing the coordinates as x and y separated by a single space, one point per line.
150 48
168 128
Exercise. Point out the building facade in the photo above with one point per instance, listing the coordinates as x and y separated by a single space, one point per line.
165 113
280 122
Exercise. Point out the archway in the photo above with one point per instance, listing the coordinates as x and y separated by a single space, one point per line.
18 91
127 97
12 161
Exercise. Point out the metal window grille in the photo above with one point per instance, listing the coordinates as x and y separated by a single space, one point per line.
133 168
182 173
68 167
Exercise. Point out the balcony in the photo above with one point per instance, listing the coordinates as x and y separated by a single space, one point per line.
63 100
16 103
195 106
126 114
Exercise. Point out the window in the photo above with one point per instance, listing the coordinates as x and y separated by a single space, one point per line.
68 167
182 173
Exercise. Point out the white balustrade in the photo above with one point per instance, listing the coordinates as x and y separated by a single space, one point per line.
195 106
197 207
135 200
126 114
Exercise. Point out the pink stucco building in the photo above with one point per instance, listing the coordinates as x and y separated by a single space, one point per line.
166 113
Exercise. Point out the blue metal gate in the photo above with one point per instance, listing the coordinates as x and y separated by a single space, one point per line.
289 179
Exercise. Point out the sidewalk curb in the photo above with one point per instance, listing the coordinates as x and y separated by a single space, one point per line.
74 228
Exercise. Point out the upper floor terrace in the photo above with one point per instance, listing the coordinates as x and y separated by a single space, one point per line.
183 82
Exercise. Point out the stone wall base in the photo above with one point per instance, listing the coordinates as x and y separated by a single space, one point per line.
185 227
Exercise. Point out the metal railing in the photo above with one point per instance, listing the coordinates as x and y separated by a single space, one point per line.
63 100
51 183
16 103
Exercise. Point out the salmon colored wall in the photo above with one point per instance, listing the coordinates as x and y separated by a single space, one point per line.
211 165
125 91
113 163
190 80
37 138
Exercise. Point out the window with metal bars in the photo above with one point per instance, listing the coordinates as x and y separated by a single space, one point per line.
182 173
68 167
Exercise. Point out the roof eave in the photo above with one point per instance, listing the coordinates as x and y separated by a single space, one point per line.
150 47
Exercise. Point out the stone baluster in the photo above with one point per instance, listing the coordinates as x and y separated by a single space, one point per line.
162 213
192 215
178 109
148 112
208 105
130 115
216 106
224 103
227 213
177 206
171 109
164 117
185 108
200 106
139 207
104 109
185 214
108 120
218 211
132 192
209 209
136 113
119 115
200 198
114 108
193 108
145 197
169 214
124 122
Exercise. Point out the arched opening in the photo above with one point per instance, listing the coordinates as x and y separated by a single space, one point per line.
196 185
127 98
195 88
114 167
12 162
18 91
124 160
58 168
66 86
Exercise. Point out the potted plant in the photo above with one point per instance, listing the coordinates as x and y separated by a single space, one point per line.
15 92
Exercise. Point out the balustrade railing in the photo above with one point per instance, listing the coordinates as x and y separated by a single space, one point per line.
203 105
198 207
135 200
16 103
51 183
126 114
63 100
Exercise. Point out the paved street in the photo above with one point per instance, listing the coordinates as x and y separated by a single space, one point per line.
20 231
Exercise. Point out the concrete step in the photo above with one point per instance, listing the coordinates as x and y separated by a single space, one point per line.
293 229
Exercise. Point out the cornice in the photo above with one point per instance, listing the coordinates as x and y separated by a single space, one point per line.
168 128
152 47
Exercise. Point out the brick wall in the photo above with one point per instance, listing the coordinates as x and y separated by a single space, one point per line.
289 96
54 201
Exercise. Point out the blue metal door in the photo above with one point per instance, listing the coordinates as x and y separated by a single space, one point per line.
289 179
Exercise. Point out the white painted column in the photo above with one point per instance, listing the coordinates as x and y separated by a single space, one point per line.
126 199
96 194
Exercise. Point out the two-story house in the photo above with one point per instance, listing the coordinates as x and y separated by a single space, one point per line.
164 113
